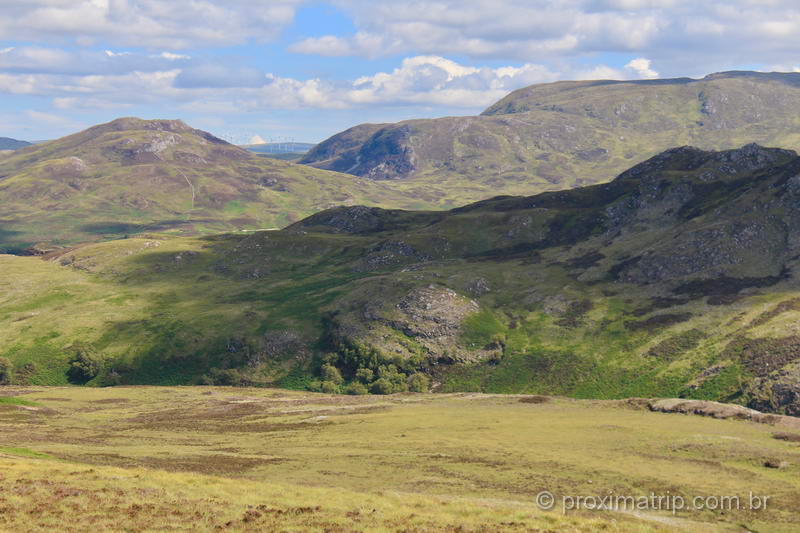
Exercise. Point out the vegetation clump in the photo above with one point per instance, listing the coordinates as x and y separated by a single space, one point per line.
84 365
6 371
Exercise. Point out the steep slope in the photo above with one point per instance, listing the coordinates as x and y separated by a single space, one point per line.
566 134
7 143
678 278
133 175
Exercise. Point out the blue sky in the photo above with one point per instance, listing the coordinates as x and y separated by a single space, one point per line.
308 69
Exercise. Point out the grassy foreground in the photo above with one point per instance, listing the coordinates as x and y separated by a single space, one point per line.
199 458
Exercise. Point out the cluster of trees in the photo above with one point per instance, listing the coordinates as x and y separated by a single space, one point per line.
355 369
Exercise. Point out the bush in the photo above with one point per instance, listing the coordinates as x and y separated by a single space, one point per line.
382 386
329 387
332 374
419 382
85 364
365 375
223 377
356 389
315 386
6 371
393 376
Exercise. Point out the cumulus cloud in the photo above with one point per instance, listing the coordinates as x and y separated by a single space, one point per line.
641 67
417 81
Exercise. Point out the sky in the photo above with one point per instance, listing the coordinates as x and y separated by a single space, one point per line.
304 70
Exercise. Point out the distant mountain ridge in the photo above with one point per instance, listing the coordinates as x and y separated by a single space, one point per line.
565 134
6 143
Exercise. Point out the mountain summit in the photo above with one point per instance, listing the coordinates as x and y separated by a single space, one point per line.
132 175
561 135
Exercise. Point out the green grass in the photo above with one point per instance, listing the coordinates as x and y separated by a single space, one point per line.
13 400
165 456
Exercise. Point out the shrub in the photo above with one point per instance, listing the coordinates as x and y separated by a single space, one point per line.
329 387
315 386
365 375
223 377
6 371
419 382
394 377
85 364
332 374
356 389
382 386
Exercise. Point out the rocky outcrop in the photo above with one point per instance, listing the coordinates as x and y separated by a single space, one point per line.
777 392
425 321
720 410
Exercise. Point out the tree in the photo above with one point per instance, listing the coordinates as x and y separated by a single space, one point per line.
382 386
329 387
331 373
419 382
356 389
85 364
365 375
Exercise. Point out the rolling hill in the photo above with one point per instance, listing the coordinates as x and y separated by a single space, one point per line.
676 279
133 175
562 135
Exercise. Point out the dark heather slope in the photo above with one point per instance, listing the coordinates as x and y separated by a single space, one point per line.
677 278
566 134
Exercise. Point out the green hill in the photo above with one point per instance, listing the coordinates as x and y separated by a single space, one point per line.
133 175
675 279
562 135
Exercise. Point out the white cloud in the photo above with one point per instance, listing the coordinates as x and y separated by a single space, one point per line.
171 24
673 33
641 67
420 81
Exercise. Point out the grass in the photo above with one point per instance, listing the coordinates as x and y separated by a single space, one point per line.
13 400
154 458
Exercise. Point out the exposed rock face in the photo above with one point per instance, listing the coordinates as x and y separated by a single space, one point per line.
778 392
428 318
390 253
356 219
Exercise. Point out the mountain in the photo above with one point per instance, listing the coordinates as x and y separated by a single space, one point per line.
562 135
676 279
12 144
132 175
279 148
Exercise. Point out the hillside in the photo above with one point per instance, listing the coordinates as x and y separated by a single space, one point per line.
678 278
7 143
566 134
133 175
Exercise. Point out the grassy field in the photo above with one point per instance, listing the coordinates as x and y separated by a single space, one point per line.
201 459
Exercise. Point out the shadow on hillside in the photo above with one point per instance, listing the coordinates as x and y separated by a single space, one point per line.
124 228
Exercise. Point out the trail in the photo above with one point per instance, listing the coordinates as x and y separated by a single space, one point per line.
190 186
